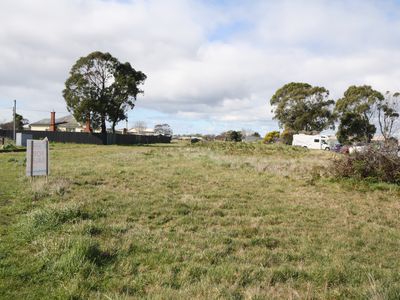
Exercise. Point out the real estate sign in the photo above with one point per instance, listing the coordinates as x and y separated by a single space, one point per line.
37 158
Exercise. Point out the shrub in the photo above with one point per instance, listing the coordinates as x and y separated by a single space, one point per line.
374 164
287 136
233 136
271 137
9 147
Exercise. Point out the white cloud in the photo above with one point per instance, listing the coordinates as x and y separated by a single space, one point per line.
256 47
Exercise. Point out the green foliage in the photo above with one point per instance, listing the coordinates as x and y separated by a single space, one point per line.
360 100
302 107
354 128
233 136
8 147
271 137
287 136
20 121
356 110
163 129
102 87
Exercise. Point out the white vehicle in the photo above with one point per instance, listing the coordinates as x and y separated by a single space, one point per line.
311 141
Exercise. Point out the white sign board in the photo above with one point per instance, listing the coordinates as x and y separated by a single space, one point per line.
37 158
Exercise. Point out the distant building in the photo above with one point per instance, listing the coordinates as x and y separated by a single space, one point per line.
66 124
142 131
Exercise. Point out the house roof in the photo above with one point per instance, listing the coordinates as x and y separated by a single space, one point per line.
66 121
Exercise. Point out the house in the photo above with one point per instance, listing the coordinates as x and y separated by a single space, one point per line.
142 131
66 124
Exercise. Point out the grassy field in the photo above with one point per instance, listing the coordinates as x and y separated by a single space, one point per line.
206 221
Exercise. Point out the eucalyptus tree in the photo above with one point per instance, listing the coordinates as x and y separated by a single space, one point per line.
163 129
101 87
357 110
389 114
302 107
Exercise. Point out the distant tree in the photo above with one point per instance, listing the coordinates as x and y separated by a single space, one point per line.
271 137
354 128
359 105
256 134
233 136
302 107
20 121
140 127
101 87
163 129
388 114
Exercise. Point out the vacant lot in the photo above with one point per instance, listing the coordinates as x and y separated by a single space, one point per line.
180 221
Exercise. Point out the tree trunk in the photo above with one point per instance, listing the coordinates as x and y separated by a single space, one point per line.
103 125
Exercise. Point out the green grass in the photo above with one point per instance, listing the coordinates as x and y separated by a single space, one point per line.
216 220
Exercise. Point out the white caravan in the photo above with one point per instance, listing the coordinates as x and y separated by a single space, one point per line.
311 141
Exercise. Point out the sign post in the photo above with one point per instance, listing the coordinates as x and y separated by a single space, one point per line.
37 158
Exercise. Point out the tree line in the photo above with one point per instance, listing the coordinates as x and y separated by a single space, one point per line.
301 107
100 89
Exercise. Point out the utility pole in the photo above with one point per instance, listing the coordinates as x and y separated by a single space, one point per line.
14 118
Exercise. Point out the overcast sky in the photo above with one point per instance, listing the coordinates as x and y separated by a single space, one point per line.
211 65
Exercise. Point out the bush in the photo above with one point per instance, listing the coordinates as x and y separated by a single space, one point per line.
233 136
287 136
8 147
374 164
271 137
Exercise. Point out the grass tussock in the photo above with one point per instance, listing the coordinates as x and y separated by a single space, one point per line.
42 188
225 221
80 256
51 218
